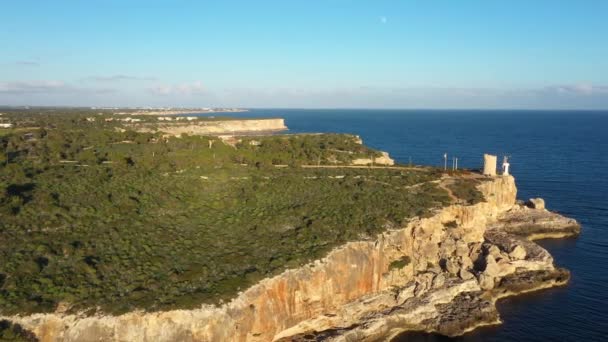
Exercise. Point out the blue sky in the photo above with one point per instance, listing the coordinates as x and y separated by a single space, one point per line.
313 53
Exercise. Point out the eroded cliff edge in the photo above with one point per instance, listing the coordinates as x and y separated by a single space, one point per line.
442 273
213 127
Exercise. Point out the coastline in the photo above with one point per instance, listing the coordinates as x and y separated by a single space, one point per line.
326 297
183 111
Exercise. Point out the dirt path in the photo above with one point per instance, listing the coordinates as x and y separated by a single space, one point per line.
443 183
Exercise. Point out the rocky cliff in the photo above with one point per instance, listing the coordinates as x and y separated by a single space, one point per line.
384 159
441 273
213 127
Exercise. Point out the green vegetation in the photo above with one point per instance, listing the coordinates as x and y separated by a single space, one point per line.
466 190
14 333
97 217
294 150
400 263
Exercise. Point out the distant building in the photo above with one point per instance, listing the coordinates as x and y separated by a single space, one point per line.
130 120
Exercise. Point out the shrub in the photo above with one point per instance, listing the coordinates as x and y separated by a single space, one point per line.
400 263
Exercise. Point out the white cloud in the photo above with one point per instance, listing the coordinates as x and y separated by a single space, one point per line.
583 97
578 89
161 90
31 89
28 63
28 87
48 92
118 78
195 88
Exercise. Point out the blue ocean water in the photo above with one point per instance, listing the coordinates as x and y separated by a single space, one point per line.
561 156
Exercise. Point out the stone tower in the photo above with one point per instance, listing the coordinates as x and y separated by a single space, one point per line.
489 165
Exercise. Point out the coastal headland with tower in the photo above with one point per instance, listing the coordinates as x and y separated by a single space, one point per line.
270 236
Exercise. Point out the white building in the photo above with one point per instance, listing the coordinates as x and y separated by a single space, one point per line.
505 166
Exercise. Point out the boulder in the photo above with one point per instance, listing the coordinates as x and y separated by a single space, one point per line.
462 248
518 253
492 250
492 269
475 251
449 266
448 247
435 269
536 203
465 275
423 283
439 280
406 293
505 267
486 282
465 262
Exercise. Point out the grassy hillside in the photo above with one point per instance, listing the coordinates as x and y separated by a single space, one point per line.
96 217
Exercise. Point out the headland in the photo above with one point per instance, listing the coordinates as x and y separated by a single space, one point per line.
260 238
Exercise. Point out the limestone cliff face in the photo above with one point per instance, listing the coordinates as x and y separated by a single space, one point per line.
384 159
353 283
216 127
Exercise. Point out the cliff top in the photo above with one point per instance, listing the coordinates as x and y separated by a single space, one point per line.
120 220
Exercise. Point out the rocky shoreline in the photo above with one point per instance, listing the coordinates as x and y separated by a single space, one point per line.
534 222
440 274
452 302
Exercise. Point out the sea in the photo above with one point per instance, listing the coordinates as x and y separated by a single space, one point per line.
561 156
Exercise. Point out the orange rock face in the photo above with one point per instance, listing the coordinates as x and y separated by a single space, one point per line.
318 290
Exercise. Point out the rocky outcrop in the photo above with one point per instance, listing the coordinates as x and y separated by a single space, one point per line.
214 127
384 159
442 273
534 224
536 203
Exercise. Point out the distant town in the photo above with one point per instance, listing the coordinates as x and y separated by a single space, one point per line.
141 110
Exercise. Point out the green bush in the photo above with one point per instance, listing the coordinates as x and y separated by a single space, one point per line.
466 190
400 263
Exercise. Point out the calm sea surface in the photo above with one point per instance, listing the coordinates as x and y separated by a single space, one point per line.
561 156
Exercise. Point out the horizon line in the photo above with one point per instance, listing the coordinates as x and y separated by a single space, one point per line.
313 108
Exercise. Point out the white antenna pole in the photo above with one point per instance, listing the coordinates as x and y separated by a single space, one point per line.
445 161
456 164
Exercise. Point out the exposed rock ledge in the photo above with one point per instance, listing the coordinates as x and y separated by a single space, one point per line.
461 260
215 127
384 159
